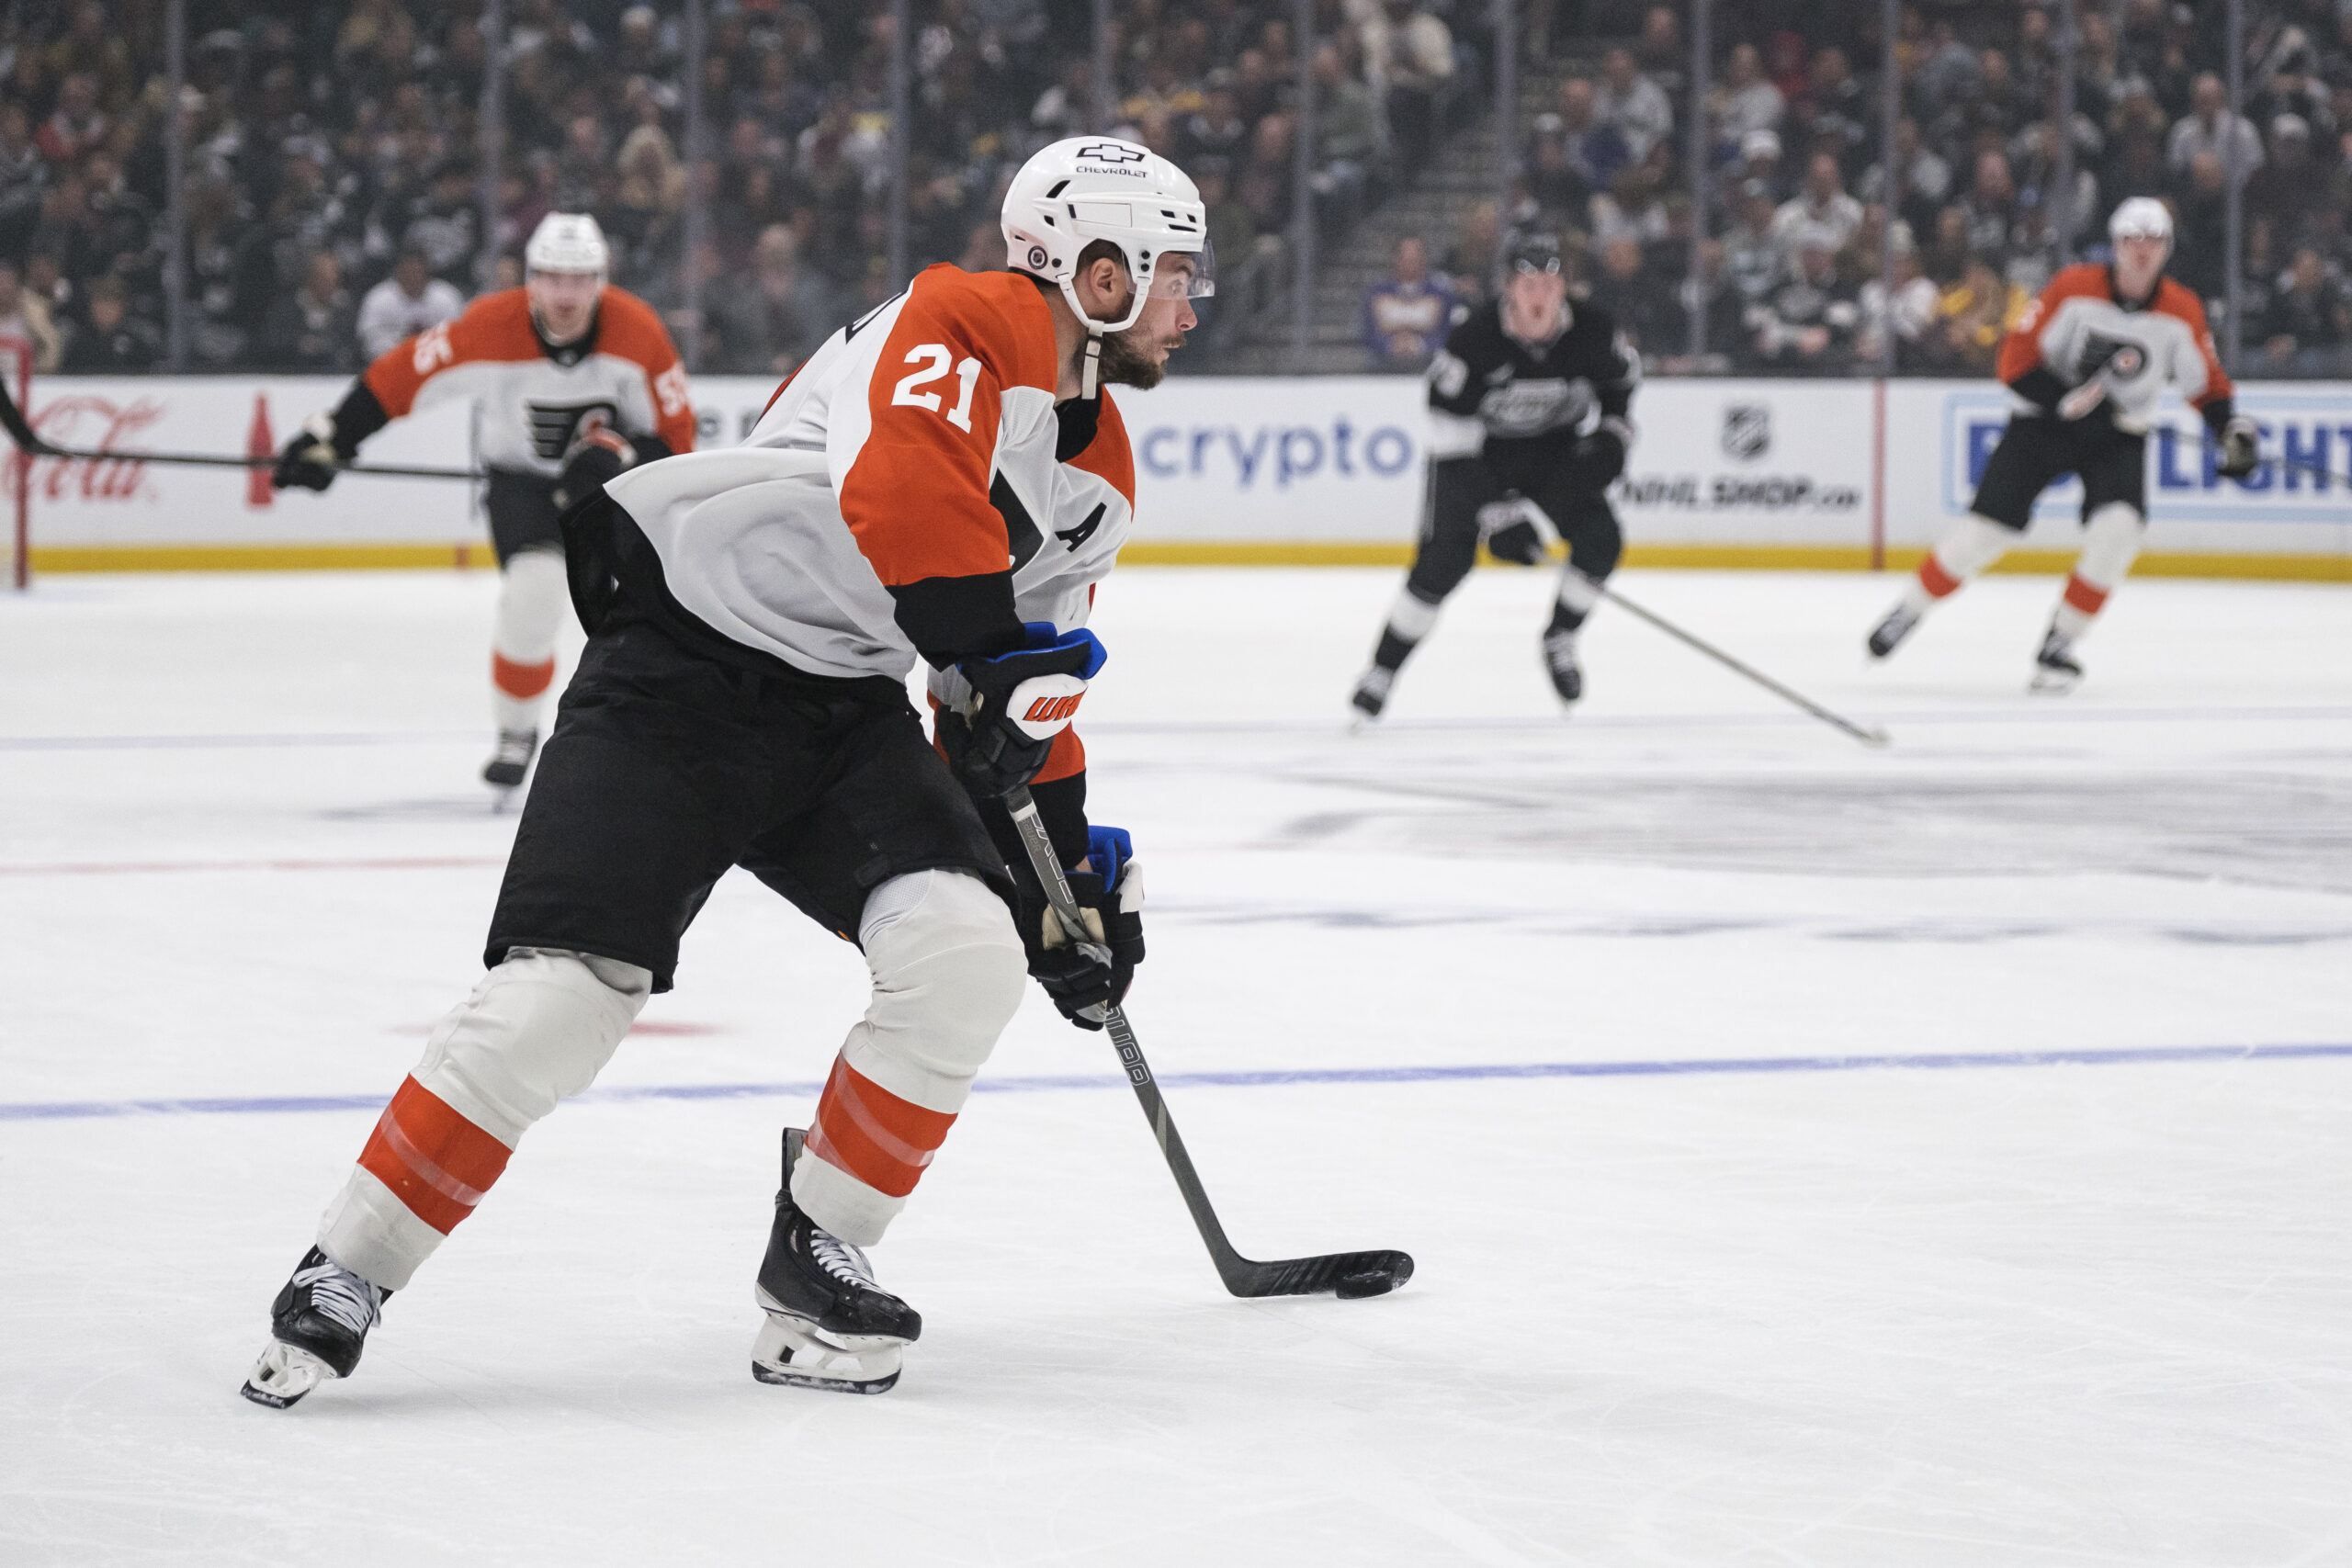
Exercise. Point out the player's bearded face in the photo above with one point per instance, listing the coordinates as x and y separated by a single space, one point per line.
1138 357
562 302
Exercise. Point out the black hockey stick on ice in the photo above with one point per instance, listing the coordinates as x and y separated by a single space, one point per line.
32 445
1345 1274
1867 734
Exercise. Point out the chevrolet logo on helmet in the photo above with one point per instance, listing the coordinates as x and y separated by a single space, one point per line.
1112 152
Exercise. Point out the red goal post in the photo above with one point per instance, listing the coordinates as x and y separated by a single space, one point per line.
17 363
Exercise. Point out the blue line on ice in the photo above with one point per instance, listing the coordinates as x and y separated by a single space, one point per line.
35 1111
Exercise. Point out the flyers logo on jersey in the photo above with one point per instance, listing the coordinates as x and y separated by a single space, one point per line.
1054 710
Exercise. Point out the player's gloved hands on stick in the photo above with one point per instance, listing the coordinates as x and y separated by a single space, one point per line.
998 737
1087 980
2240 454
310 460
601 454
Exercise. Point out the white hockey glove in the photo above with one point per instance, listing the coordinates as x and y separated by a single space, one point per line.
1515 529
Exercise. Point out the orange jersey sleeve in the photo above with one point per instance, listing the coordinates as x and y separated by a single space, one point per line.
2175 299
629 328
494 327
916 494
2021 348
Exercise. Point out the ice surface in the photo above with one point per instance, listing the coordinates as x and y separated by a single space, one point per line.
1671 1308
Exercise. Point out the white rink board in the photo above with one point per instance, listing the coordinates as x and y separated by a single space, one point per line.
1263 460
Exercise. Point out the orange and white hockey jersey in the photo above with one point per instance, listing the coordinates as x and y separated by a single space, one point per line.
2078 331
536 401
904 478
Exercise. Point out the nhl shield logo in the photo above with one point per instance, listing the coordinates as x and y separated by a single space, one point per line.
1748 431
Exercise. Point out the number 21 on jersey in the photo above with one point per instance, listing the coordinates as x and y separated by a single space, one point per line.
935 358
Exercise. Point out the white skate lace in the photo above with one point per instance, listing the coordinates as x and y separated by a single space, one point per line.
1560 649
340 1295
839 1259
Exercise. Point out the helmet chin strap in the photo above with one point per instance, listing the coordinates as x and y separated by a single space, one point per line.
1091 373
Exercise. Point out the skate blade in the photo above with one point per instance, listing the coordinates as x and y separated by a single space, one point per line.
794 1352
283 1375
2052 682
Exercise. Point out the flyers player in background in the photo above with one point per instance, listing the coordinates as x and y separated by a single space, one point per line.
576 381
942 480
2085 366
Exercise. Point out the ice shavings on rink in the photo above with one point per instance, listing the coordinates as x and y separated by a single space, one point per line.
1606 1020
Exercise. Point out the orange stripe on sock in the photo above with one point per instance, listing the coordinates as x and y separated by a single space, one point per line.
435 1161
882 1140
520 680
2084 597
1939 583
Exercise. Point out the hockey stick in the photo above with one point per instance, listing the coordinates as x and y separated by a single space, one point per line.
1345 1274
1867 734
31 443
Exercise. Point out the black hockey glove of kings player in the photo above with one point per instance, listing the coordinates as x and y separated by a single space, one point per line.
311 458
998 734
1110 901
1600 458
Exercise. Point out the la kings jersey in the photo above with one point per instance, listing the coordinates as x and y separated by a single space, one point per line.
535 400
1515 404
917 452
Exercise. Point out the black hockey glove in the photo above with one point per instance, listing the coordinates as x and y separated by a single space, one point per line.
2240 454
1514 531
310 460
998 736
601 454
1110 902
1600 458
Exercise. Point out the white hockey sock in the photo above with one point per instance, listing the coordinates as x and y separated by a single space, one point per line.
537 1030
1976 543
532 593
2111 543
1578 593
1410 618
948 975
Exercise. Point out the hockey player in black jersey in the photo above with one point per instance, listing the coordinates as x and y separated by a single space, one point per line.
1529 406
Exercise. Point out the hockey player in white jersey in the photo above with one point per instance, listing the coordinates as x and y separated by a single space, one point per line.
943 480
2085 366
576 381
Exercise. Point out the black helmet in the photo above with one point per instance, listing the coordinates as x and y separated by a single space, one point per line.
1532 252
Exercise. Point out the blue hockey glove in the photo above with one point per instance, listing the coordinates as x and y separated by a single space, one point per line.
998 737
1110 902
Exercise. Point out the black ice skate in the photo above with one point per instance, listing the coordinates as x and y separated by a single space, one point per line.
1894 629
2054 670
512 760
828 1325
1372 692
317 1325
1560 663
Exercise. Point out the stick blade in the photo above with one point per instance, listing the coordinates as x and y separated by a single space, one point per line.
1348 1275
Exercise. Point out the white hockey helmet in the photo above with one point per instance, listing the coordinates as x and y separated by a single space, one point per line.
2141 217
1098 188
567 241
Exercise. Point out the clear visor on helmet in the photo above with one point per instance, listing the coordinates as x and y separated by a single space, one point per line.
1185 275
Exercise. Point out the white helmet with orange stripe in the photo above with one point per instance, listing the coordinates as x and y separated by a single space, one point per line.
1087 188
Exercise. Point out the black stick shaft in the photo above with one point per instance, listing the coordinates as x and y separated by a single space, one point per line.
30 441
1869 735
1230 1266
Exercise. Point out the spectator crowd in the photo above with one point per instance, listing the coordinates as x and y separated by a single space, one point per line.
333 153
1803 206
333 200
